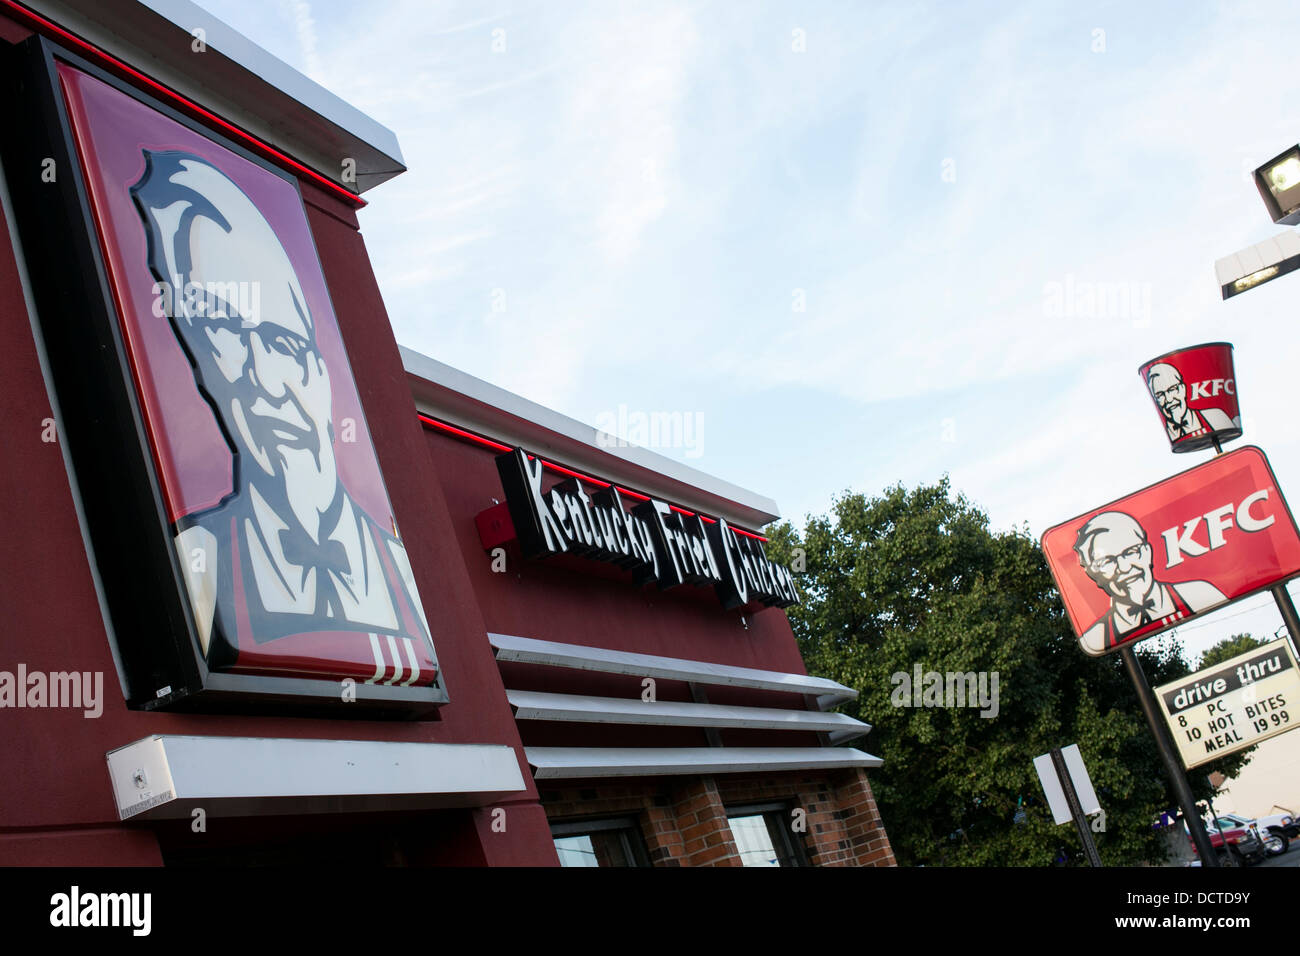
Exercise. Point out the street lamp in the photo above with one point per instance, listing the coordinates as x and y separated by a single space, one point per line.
1278 181
1259 263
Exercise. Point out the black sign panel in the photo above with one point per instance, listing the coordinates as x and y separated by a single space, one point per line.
653 540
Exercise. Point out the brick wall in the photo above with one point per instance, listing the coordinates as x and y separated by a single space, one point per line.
684 822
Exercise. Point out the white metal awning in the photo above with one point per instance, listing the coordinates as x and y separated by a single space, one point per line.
577 762
529 650
556 763
537 705
166 776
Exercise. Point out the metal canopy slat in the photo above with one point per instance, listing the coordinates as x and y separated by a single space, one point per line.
554 763
579 657
539 705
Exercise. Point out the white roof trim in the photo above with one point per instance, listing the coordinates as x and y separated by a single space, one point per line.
166 775
237 80
538 705
459 398
580 657
557 763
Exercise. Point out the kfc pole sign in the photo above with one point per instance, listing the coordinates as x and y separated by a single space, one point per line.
1195 392
1170 552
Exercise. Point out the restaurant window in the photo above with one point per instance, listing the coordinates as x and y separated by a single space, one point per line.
763 835
614 842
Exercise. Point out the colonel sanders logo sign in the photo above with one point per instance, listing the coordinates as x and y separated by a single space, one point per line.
1115 552
1164 555
282 526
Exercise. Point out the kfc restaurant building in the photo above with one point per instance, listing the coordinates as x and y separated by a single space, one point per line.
274 585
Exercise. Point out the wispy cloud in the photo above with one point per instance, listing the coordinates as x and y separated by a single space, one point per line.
306 32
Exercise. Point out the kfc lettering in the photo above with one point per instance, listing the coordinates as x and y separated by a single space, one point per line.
1224 531
1212 388
1178 543
652 540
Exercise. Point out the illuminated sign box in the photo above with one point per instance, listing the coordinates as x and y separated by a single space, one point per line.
1168 553
235 504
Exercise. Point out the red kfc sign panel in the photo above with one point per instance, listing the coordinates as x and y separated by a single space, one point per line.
1141 565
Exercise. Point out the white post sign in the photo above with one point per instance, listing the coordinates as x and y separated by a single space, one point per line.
1078 776
1234 704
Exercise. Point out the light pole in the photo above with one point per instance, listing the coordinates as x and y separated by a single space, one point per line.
1278 182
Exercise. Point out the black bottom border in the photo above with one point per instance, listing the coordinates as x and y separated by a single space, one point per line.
967 905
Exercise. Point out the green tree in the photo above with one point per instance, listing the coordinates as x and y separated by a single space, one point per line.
918 577
1229 647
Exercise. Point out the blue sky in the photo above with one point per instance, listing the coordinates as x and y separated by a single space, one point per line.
627 204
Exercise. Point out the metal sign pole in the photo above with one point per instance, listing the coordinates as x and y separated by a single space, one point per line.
1285 605
1076 808
1209 802
1173 767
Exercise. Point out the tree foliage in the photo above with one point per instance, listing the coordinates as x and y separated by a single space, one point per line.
917 576
1229 647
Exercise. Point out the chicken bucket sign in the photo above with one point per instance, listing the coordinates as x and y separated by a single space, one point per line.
1170 552
1195 392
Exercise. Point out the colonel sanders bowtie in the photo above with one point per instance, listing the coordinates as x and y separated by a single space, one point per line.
1147 612
325 556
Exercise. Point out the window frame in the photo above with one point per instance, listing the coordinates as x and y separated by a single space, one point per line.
628 828
790 848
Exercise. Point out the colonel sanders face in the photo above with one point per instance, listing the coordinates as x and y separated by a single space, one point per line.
1168 390
1114 551
240 314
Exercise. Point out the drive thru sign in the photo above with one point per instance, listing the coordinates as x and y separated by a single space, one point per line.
1234 704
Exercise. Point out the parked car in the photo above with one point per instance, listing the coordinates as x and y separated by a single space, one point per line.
1235 844
1272 832
1284 823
